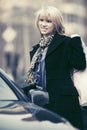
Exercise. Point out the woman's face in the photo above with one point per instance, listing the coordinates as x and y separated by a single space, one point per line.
46 26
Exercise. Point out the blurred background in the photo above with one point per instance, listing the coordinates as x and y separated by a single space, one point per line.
18 31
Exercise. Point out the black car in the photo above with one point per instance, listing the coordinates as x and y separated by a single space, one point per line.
18 113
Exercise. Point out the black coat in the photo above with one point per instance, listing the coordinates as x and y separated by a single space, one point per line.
64 54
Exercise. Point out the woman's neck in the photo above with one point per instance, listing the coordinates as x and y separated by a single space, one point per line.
47 36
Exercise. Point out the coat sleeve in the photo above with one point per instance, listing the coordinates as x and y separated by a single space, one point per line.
77 55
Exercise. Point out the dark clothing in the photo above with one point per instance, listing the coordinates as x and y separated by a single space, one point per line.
63 54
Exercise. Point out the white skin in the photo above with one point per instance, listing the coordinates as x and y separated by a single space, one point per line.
46 26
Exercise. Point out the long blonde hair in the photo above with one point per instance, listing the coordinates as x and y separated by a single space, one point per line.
55 15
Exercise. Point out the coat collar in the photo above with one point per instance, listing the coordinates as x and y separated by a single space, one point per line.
57 40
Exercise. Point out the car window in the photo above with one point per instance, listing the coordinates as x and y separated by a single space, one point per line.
5 92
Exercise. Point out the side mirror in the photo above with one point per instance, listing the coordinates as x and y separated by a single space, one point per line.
38 97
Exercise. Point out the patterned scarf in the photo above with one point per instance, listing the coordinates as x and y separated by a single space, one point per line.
43 43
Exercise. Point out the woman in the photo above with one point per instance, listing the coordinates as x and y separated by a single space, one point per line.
51 63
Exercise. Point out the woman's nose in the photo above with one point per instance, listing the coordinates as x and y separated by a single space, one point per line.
44 23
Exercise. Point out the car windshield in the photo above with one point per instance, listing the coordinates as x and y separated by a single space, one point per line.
5 91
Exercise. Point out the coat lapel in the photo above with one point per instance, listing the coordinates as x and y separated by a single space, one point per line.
57 40
35 47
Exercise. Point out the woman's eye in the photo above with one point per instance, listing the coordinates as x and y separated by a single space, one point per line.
49 21
41 19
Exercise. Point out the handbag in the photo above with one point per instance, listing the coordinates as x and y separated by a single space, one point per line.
80 81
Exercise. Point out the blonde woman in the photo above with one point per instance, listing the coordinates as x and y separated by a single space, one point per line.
52 60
